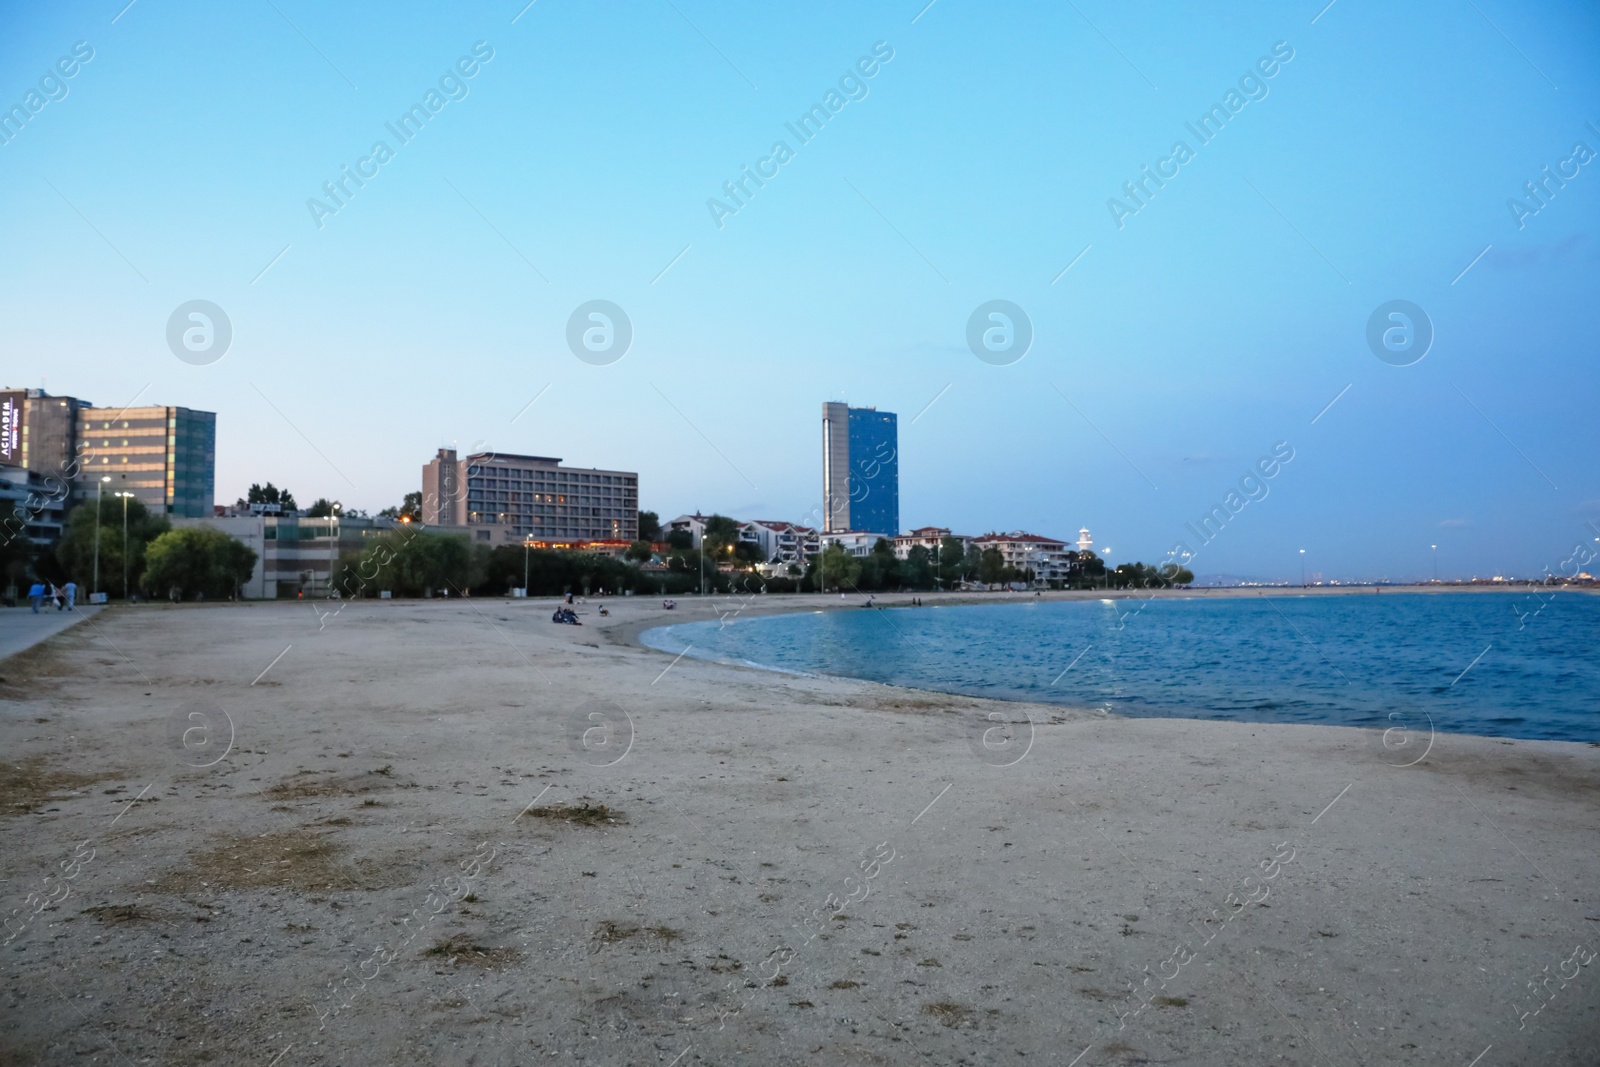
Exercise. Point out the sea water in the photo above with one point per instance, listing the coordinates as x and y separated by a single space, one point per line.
1501 664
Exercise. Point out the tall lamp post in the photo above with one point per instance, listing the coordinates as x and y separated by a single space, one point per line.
1435 562
1302 568
99 495
124 497
333 549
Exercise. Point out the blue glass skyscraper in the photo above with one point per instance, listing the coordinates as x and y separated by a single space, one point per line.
860 469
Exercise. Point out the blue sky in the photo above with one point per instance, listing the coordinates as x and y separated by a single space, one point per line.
1218 320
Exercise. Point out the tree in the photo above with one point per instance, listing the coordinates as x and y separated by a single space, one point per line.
915 570
641 550
721 537
682 540
952 559
649 525
991 567
75 551
322 508
270 494
197 561
411 562
410 508
1172 574
839 568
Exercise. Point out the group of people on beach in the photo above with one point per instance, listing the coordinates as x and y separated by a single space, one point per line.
65 597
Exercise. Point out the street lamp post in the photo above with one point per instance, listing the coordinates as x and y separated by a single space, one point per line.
1302 568
1435 562
124 497
333 548
99 495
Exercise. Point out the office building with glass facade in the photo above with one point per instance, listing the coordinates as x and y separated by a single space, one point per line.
860 470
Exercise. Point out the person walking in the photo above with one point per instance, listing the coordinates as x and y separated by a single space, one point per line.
58 596
72 596
36 595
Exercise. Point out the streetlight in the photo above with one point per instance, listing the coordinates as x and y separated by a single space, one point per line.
124 497
99 495
1435 562
333 549
1302 568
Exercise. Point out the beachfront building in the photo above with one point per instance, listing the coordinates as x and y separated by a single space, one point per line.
929 537
778 541
165 457
295 555
860 470
856 542
694 525
509 499
1048 559
33 508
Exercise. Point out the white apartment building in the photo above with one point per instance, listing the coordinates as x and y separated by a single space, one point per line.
1046 556
778 541
928 537
856 542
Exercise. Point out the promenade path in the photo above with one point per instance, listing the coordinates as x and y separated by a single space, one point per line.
21 629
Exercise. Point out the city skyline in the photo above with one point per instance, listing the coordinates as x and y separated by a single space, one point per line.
1173 333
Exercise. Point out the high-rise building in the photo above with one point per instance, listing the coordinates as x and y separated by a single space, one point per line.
529 498
860 470
164 456
39 431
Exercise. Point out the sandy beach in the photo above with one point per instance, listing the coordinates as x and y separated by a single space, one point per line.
451 832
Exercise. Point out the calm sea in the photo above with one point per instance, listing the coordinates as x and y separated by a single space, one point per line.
1508 665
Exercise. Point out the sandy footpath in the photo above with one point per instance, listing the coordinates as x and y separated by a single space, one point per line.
454 833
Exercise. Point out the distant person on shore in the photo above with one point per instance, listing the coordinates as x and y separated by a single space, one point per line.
72 596
36 595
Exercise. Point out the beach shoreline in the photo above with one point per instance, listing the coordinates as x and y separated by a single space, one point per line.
643 846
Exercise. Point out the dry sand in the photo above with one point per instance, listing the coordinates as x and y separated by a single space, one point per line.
408 853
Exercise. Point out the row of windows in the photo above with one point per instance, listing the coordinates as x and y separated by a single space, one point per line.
493 476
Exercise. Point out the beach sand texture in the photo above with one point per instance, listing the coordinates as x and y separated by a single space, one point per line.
450 832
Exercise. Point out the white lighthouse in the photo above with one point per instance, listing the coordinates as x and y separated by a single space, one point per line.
1084 540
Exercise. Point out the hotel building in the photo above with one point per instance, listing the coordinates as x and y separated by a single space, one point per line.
507 499
860 470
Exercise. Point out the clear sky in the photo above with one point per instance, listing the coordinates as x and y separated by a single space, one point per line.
1188 338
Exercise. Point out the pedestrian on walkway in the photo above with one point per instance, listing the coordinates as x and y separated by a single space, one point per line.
36 595
72 596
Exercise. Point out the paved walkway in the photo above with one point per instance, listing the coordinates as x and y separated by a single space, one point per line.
20 628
